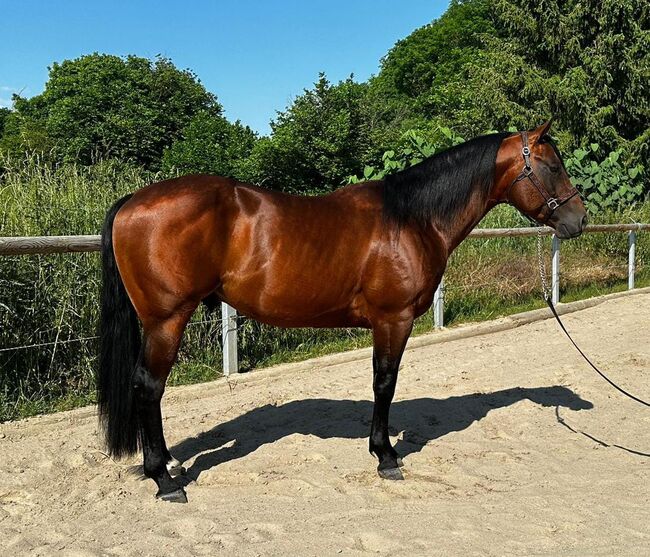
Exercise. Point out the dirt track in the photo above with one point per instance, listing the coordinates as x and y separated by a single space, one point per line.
278 462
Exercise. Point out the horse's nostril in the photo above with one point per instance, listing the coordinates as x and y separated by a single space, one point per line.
583 222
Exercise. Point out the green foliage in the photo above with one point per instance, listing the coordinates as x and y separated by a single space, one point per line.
599 53
4 114
24 129
456 72
413 148
435 53
481 65
516 62
211 145
318 141
52 300
101 106
606 184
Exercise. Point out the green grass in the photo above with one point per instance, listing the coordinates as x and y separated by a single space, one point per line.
53 299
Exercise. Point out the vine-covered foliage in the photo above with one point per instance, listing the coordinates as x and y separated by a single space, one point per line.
605 183
411 149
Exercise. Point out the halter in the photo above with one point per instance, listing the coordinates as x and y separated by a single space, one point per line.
550 203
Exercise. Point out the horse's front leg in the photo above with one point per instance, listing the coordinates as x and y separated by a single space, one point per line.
389 339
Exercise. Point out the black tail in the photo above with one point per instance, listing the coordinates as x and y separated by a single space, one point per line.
120 343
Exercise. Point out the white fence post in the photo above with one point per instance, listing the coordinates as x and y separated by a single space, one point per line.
229 338
631 260
439 305
555 272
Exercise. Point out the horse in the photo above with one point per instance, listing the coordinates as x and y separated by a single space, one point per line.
367 255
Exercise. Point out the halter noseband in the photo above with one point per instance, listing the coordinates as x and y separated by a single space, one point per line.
550 203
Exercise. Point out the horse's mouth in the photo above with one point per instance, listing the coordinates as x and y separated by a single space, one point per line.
565 232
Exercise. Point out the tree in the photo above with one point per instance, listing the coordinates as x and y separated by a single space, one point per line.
318 141
24 128
4 114
211 145
433 54
410 90
102 106
492 65
599 53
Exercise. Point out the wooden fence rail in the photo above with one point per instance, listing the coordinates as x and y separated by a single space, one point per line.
43 245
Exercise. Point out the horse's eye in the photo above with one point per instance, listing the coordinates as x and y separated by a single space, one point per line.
554 169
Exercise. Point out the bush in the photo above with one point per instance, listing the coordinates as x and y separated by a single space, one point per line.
414 147
210 145
605 184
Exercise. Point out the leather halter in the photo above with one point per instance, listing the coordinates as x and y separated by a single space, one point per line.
550 203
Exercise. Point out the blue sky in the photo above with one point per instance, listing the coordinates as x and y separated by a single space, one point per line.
254 55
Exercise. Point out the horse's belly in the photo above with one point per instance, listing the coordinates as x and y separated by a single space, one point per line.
295 305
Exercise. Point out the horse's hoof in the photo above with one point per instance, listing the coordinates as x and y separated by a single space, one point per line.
400 463
176 496
391 474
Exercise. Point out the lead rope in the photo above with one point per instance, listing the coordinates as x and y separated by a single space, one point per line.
541 264
549 302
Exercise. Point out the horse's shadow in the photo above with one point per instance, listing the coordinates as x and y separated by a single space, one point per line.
421 419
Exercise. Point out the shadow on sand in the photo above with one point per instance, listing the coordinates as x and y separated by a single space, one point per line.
421 419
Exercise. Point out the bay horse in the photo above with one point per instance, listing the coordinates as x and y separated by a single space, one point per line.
367 255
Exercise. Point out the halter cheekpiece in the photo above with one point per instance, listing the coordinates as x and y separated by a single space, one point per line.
550 204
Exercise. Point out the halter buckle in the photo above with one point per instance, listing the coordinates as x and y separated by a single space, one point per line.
526 151
527 171
553 204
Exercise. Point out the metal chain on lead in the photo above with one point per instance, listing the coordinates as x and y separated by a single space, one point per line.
542 265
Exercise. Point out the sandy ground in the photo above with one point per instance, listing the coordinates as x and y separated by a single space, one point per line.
278 463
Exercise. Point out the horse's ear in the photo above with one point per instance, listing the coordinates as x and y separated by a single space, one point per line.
541 131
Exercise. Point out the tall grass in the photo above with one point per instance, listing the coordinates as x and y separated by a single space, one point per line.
51 301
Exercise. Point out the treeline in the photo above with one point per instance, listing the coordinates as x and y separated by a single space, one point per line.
484 65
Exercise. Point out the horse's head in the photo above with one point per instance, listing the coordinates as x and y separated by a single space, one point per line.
534 180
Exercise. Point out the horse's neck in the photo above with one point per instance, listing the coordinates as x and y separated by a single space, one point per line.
478 206
454 232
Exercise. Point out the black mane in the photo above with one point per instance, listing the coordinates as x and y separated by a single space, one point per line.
440 187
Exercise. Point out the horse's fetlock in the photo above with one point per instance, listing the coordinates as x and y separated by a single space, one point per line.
154 469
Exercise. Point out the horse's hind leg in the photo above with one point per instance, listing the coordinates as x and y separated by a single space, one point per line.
389 340
161 341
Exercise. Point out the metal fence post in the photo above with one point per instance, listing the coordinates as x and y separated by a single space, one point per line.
439 305
229 338
631 260
555 273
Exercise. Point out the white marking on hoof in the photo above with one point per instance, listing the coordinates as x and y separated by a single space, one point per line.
174 467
